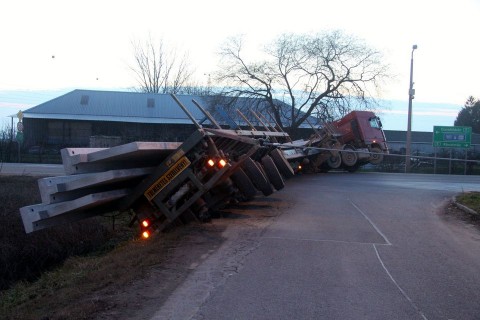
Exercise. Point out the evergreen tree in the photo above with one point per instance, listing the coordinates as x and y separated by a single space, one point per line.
469 116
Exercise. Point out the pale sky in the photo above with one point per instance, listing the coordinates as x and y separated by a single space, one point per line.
92 39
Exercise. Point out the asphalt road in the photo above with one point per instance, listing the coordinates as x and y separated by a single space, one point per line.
31 169
344 246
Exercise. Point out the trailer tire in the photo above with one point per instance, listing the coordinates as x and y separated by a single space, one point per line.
282 164
334 162
257 177
376 158
244 184
349 159
272 173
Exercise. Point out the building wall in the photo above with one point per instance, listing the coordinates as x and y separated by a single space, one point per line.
72 133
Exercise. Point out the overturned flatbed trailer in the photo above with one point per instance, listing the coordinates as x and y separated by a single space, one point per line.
159 181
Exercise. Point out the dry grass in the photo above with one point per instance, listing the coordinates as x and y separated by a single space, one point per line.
79 279
25 257
89 287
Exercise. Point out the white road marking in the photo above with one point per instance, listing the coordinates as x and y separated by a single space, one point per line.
371 222
404 294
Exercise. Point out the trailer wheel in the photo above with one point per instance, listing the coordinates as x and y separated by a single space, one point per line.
349 159
257 177
376 158
272 173
244 184
282 164
266 189
334 162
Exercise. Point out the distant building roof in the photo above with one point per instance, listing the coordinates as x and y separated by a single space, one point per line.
138 107
116 106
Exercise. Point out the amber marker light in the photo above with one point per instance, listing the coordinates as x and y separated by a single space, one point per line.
222 163
145 234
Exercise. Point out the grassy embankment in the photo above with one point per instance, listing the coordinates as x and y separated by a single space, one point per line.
30 264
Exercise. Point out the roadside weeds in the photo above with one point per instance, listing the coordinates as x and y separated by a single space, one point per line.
461 209
469 202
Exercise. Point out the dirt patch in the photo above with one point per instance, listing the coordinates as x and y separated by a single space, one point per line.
452 213
243 229
143 295
200 259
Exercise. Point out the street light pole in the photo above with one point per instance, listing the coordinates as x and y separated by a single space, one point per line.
411 96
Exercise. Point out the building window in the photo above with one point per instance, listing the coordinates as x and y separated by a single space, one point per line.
150 103
84 100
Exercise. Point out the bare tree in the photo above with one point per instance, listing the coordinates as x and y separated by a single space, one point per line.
7 143
159 71
324 75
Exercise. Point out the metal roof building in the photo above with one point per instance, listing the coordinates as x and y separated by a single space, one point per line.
135 107
83 118
106 118
116 106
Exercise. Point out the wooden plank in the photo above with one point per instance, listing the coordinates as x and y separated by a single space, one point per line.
34 213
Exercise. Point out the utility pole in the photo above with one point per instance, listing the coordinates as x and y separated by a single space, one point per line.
411 96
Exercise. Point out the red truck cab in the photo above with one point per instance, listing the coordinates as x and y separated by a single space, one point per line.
362 129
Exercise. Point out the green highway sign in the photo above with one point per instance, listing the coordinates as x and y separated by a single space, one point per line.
19 137
452 137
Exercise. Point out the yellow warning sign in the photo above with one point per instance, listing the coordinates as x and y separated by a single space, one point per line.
165 179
